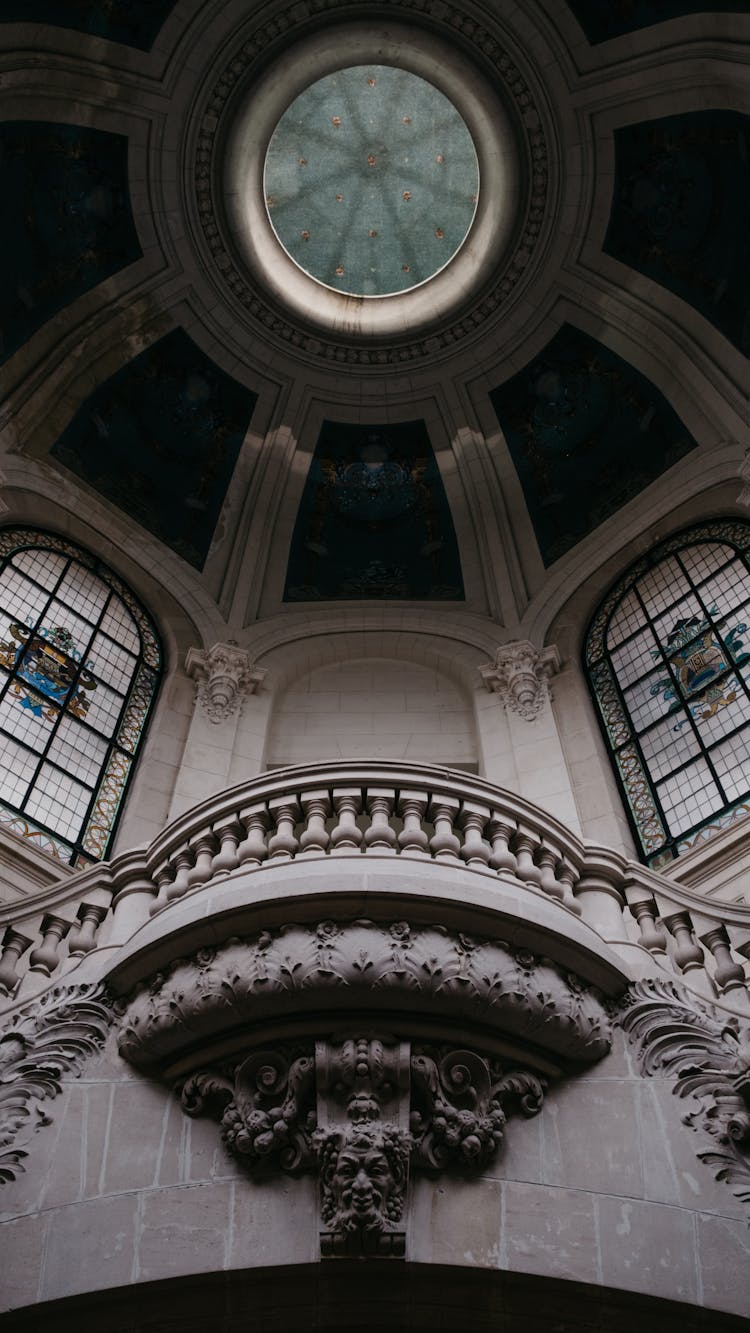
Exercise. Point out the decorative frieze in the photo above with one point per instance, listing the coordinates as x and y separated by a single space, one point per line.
39 1045
520 674
223 674
360 1111
707 1051
379 967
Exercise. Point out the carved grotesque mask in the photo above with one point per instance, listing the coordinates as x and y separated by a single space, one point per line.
363 1177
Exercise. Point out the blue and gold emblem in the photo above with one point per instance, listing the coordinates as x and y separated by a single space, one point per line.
48 666
700 663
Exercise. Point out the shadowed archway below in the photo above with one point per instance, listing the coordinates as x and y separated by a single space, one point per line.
372 1297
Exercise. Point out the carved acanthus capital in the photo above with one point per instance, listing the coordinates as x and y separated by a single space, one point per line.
520 674
223 674
41 1043
708 1052
360 1111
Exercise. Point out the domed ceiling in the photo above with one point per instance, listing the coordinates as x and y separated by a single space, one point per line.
364 286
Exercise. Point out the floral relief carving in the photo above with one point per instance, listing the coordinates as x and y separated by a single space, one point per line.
708 1053
39 1045
384 966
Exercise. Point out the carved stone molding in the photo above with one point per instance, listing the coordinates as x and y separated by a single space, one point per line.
708 1053
223 674
381 968
258 44
360 1111
39 1045
744 475
520 673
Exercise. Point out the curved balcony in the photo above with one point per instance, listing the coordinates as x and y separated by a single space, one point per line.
371 839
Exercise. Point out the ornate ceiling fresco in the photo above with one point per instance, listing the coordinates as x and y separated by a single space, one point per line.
597 311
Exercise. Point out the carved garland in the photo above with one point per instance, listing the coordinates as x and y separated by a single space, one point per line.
42 1042
360 1112
205 172
709 1055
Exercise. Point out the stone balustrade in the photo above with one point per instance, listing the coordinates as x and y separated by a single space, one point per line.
377 809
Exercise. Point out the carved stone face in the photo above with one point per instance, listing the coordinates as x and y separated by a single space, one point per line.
363 1177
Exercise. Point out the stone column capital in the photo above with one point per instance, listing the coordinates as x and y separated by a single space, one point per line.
223 675
520 673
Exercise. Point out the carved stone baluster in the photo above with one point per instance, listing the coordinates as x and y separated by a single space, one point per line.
14 945
380 837
525 844
163 878
314 840
204 847
253 849
688 954
82 936
567 876
183 863
412 839
653 936
46 957
226 859
283 844
476 851
547 859
346 837
445 845
728 974
134 893
501 830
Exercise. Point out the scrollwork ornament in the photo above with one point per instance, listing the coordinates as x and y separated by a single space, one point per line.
708 1054
39 1045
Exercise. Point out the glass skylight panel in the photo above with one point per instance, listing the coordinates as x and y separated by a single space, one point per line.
703 559
689 796
110 663
58 801
668 746
645 702
635 658
731 760
44 567
32 724
118 623
662 586
20 598
78 751
17 767
83 592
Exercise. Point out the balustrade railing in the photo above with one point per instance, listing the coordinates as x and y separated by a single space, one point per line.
376 809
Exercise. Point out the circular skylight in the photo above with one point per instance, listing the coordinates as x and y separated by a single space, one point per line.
371 180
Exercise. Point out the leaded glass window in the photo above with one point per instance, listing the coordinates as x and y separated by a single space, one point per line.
79 668
668 662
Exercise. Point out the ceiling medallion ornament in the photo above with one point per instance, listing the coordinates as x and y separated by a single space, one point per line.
501 259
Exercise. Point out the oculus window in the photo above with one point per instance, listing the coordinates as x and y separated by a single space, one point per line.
80 663
668 663
371 180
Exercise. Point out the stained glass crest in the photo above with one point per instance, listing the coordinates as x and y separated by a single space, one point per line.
668 664
79 669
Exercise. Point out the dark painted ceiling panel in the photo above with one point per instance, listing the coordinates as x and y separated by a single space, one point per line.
681 212
65 223
602 19
134 22
586 432
160 440
374 519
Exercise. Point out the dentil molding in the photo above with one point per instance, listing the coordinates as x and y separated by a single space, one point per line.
223 675
520 674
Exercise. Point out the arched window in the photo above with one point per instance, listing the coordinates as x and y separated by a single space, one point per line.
668 661
79 668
